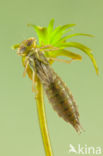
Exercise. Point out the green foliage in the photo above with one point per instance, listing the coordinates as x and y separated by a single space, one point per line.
83 48
58 38
63 52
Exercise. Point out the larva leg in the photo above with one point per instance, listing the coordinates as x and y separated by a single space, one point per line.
61 60
49 48
27 63
46 46
33 81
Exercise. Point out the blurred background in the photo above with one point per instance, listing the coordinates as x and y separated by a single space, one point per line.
19 128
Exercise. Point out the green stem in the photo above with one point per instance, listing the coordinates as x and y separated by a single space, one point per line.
42 118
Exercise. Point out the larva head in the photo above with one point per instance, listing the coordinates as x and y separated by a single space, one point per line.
26 46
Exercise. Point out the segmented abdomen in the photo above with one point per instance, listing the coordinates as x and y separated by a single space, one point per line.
62 101
57 92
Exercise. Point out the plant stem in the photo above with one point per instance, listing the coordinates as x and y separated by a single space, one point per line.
42 118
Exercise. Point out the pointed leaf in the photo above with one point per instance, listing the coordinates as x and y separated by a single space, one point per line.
82 47
50 30
76 34
54 33
63 52
42 34
59 31
50 26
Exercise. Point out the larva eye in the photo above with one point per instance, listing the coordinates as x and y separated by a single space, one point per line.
29 42
26 46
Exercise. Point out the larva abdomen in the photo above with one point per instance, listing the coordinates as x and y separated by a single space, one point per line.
63 102
57 92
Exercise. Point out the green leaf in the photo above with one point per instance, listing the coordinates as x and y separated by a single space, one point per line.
76 34
82 47
50 26
58 32
63 52
54 37
54 33
42 34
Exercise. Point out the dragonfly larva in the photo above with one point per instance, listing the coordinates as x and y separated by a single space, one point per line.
57 92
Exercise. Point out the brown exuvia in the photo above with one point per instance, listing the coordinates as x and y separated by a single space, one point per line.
57 92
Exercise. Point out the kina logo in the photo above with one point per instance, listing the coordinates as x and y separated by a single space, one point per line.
90 150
